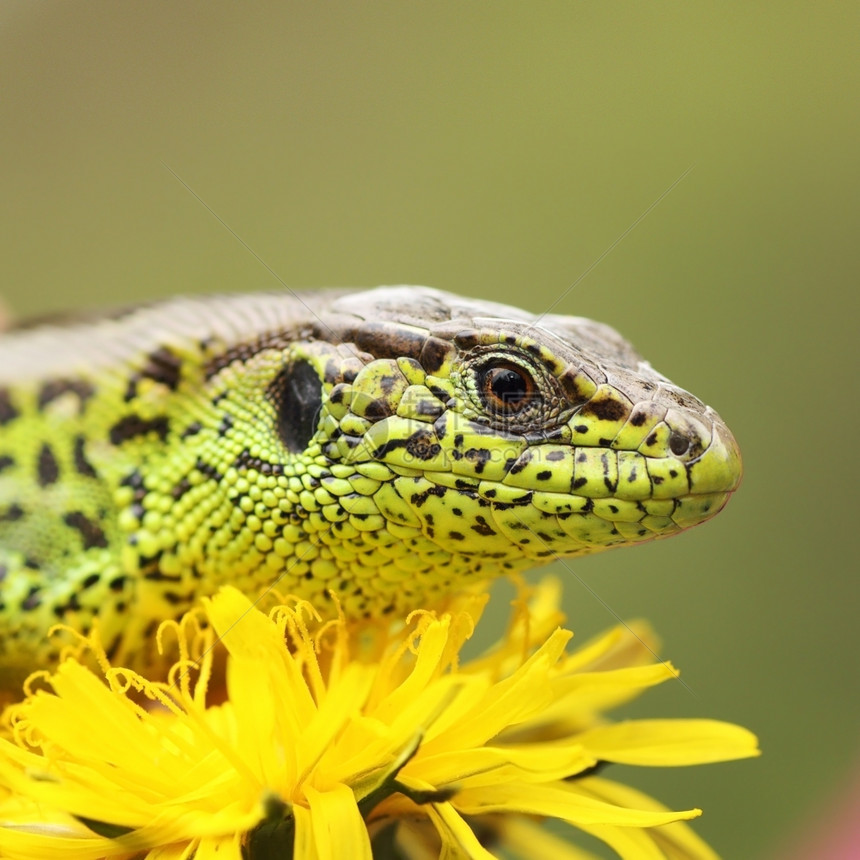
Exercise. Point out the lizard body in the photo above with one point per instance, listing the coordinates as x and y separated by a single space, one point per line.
389 445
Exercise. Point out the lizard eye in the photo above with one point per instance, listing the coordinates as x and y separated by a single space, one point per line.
506 387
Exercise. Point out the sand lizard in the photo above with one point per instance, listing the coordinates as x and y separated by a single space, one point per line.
389 445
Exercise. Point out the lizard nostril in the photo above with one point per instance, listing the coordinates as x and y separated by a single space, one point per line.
679 444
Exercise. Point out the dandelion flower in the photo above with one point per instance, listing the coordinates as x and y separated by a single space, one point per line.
329 741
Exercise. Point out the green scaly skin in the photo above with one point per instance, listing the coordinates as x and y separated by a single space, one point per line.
344 441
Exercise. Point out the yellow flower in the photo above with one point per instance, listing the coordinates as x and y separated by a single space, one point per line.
348 742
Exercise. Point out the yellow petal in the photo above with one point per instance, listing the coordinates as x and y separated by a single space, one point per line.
528 840
630 644
416 839
458 840
25 844
222 848
541 762
338 828
427 667
305 845
341 704
669 742
560 800
629 842
522 695
676 840
174 852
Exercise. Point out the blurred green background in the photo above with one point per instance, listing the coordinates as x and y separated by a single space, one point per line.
497 150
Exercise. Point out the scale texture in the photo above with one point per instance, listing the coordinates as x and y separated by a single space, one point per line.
387 445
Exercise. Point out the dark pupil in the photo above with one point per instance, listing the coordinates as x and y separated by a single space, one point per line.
508 386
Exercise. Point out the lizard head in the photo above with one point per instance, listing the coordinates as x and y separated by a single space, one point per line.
406 441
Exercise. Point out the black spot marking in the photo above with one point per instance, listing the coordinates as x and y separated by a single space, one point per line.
387 382
32 600
377 409
54 388
72 605
456 536
297 396
418 499
331 372
544 476
117 583
158 576
192 429
90 581
47 467
131 389
389 340
571 383
439 393
164 366
480 457
651 440
8 412
581 428
468 338
6 462
604 409
243 352
434 354
79 457
638 419
225 425
180 489
432 409
390 445
423 446
133 479
482 527
338 393
242 462
91 532
579 482
132 426
521 463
